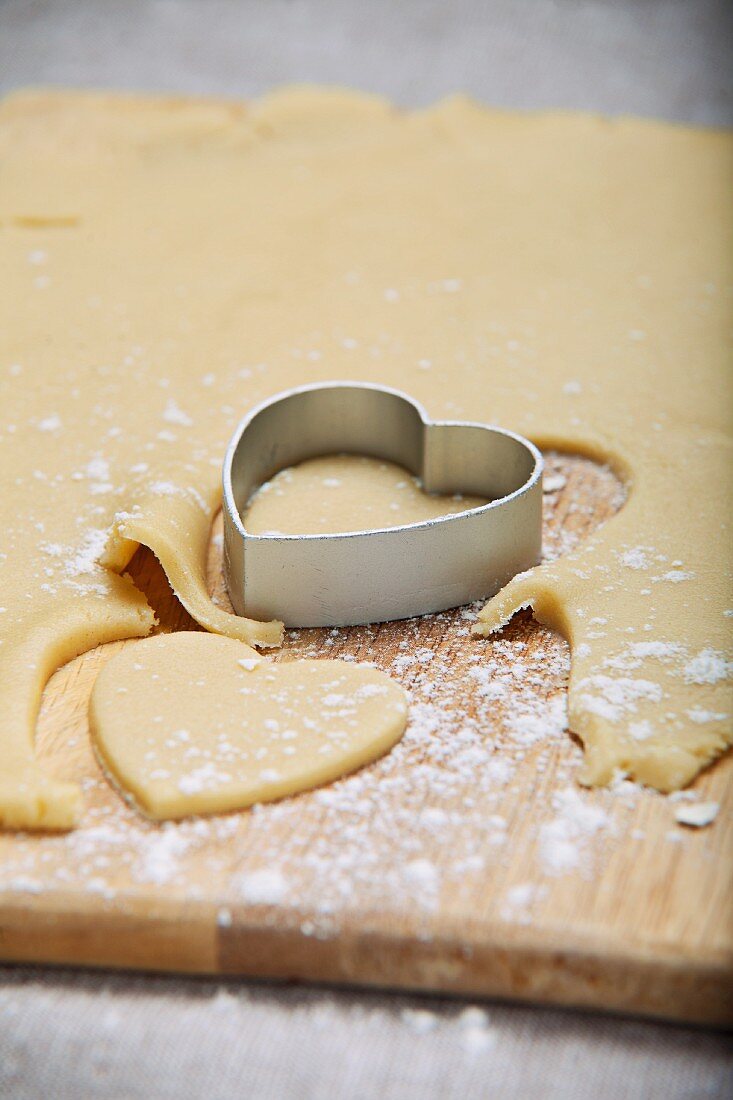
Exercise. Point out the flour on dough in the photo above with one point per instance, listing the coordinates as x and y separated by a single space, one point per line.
338 493
167 264
190 723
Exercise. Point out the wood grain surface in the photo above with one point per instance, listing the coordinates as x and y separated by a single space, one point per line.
467 860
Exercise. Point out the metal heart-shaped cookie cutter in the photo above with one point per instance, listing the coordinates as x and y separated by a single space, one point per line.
386 573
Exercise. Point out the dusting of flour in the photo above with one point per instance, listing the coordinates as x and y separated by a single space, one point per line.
436 822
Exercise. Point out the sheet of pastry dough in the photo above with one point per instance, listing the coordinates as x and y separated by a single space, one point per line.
168 263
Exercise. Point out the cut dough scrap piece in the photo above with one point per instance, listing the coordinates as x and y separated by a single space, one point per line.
339 493
176 527
96 607
191 723
650 691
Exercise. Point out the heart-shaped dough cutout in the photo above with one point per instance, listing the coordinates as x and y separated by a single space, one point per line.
192 723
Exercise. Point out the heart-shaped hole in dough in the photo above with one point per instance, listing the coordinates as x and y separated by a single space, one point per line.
193 723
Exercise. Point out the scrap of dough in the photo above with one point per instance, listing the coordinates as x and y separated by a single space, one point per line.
697 814
188 723
338 493
562 275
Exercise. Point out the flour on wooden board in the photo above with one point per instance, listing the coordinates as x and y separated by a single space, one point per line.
411 829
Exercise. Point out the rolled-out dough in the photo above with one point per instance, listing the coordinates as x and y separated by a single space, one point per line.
166 264
338 493
188 723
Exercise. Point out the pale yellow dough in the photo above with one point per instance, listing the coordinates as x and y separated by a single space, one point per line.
166 264
339 493
188 723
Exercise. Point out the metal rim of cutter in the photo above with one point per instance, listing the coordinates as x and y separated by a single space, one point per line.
383 573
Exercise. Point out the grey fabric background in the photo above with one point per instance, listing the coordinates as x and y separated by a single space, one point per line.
120 1037
663 58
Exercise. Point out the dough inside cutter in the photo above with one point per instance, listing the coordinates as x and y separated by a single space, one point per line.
335 494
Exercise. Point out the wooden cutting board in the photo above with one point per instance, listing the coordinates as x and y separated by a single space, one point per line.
467 861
